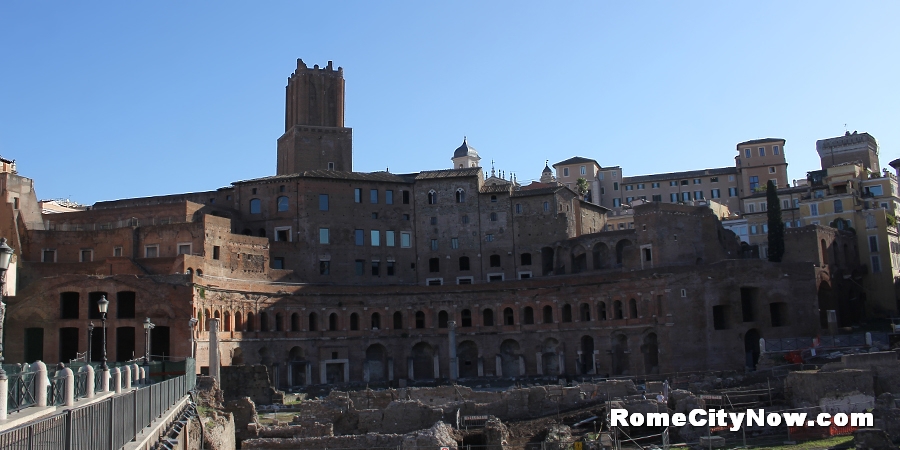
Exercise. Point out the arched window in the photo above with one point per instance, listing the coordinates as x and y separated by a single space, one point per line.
617 310
255 206
493 217
463 263
585 312
398 320
529 316
247 232
282 203
601 310
495 260
460 196
262 232
525 259
548 314
376 321
238 323
313 321
295 322
227 325
432 197
279 322
420 319
567 313
443 318
488 317
250 325
263 321
354 322
632 309
508 317
493 199
466 316
332 322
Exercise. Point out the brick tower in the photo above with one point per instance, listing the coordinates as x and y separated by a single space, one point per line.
314 133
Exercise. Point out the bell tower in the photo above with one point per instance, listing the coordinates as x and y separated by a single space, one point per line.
314 134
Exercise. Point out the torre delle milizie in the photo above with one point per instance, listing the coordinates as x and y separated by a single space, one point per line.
327 275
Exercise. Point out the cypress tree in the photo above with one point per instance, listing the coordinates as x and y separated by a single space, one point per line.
776 224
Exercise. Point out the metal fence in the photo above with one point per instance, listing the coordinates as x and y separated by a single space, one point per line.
110 423
21 391
825 342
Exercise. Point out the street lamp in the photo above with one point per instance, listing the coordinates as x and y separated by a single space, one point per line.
148 325
5 257
193 323
90 342
103 305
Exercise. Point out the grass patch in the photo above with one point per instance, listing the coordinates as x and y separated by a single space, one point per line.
270 418
204 411
813 445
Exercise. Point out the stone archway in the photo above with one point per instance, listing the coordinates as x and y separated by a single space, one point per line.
376 361
650 350
422 361
600 253
509 358
751 348
467 357
619 355
550 357
297 367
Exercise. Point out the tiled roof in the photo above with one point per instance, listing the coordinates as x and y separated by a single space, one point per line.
576 160
337 175
761 141
539 191
449 173
688 174
497 188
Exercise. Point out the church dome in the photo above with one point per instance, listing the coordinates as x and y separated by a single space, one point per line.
546 169
465 150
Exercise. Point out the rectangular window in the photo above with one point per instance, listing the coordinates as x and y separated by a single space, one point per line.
765 228
640 186
714 180
698 195
375 268
390 268
629 199
360 267
673 183
747 153
876 264
753 229
732 192
324 267
762 151
763 206
405 197
697 181
454 243
754 182
151 251
278 263
359 237
785 204
323 202
324 236
873 244
375 238
434 244
686 196
518 208
283 234
373 196
751 208
874 191
565 171
389 197
657 197
404 239
434 220
673 197
87 255
389 238
838 206
216 251
720 317
184 249
357 195
629 187
774 149
715 193
117 251
583 170
615 185
814 209
684 182
489 238
772 169
730 177
617 202
654 185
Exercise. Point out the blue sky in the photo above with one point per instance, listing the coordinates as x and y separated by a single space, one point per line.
101 101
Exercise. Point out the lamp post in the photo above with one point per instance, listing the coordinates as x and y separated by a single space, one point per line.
90 342
5 257
192 323
148 325
103 306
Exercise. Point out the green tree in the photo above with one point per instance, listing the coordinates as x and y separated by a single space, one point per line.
582 187
776 225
